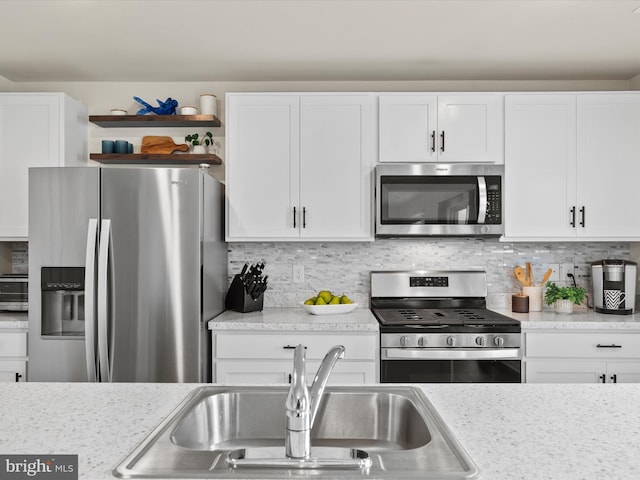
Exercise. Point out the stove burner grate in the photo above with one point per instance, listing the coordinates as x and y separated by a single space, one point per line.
440 317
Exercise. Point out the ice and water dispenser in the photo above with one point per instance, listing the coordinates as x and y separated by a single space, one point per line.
62 301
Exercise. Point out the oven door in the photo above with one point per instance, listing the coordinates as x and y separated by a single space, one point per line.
421 200
450 365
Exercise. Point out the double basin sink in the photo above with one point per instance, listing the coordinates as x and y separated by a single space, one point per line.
381 432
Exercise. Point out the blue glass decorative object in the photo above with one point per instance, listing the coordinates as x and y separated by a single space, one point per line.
168 107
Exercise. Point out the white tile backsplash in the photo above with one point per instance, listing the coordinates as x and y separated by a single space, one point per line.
344 267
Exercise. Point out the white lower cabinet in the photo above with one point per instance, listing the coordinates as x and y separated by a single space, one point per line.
264 358
582 357
13 356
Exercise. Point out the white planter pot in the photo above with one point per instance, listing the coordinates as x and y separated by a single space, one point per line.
199 149
563 306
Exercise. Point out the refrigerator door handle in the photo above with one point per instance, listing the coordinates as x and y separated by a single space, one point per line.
89 300
103 300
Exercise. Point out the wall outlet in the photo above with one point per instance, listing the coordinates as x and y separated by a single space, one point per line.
298 273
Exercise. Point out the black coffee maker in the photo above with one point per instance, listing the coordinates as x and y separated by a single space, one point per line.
614 286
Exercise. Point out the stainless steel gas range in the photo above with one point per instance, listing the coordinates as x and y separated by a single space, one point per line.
435 327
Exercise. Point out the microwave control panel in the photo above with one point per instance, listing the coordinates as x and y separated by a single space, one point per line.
494 200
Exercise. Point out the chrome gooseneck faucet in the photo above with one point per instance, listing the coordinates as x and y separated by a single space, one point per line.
302 402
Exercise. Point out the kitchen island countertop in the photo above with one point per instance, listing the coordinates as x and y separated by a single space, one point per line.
359 320
511 431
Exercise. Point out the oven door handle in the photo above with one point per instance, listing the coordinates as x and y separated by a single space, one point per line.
450 354
482 200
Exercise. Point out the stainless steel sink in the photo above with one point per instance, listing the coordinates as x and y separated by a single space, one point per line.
396 428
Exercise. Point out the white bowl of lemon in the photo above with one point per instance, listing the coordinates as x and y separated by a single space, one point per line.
326 303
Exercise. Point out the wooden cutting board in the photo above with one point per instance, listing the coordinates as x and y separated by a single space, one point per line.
161 145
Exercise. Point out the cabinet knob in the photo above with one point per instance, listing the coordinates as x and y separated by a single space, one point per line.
18 376
614 377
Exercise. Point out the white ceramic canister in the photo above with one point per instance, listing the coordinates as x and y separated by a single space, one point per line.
187 110
208 104
535 298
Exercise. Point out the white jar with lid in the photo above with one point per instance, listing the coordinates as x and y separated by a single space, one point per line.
208 104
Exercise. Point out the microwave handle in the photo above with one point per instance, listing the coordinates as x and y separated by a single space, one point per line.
482 199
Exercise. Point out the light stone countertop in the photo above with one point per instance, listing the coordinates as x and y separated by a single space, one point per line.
511 431
578 320
359 320
14 321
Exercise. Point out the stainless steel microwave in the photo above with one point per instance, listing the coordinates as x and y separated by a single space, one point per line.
439 199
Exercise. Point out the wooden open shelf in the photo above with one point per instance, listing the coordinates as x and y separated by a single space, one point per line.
126 121
164 159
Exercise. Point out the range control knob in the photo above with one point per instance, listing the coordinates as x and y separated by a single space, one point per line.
498 341
451 341
480 341
403 341
422 341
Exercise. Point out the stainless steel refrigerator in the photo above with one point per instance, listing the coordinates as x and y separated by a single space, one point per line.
126 266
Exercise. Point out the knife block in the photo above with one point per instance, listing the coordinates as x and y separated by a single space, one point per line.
239 300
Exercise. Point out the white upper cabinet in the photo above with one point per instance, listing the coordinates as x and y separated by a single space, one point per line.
609 167
570 166
299 167
540 165
262 169
337 157
36 130
448 128
408 128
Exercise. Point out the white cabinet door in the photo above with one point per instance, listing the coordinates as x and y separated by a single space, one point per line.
540 165
444 128
262 166
13 371
408 128
470 128
608 166
561 371
336 165
36 130
29 137
623 372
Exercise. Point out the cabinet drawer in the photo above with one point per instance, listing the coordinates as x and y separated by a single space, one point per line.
279 371
13 344
576 345
272 346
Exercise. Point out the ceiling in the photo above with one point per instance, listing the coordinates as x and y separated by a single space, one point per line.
300 40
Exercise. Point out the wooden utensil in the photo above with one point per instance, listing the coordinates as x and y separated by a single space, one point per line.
530 275
546 276
161 145
521 276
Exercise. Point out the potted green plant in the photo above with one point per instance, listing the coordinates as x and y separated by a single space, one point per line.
199 144
563 298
